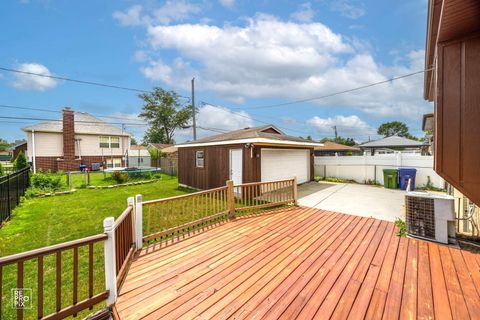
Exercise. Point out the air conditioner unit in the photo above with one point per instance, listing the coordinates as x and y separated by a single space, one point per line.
430 216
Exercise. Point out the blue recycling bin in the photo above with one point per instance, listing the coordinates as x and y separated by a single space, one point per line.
405 174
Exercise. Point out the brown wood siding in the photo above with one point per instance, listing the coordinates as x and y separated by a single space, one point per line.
215 172
457 112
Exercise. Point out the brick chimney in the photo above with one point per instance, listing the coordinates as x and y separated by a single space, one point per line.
68 162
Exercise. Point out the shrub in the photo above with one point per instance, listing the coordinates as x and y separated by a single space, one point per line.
20 162
2 171
120 177
47 182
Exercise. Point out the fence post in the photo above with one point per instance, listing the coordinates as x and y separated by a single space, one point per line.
295 191
110 267
138 221
131 203
230 199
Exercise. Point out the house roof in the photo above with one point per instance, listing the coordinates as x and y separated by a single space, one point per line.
393 142
84 124
251 135
332 146
160 146
447 20
138 147
170 149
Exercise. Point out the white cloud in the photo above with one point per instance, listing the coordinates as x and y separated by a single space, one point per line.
305 13
33 82
214 120
227 3
349 8
171 11
347 126
132 16
294 61
175 10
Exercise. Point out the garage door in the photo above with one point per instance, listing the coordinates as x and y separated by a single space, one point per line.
278 164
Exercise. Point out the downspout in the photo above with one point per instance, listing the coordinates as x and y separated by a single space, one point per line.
33 153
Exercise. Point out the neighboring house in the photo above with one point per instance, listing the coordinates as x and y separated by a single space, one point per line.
248 155
428 125
159 146
393 144
452 82
330 148
6 154
169 156
79 138
19 146
138 156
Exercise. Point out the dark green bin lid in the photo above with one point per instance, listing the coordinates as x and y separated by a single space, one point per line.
390 171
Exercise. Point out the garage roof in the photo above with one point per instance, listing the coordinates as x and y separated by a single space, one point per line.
393 142
263 134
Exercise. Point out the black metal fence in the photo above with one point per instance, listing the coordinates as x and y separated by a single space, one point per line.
12 187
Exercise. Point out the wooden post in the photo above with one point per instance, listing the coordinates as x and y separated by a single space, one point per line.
230 199
295 191
131 203
110 268
138 221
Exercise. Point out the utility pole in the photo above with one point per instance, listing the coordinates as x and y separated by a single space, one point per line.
336 133
194 125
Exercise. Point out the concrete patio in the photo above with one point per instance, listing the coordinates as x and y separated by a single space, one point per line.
357 199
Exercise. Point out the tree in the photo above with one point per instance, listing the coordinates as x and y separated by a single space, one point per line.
4 145
393 128
155 155
164 112
154 135
133 141
20 162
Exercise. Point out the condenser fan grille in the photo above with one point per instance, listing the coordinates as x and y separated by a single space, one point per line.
420 217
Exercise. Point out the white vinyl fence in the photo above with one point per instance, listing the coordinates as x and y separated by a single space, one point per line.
366 167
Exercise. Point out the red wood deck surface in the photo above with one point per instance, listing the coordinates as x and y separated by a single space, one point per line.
302 263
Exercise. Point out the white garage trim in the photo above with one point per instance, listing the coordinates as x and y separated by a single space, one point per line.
279 164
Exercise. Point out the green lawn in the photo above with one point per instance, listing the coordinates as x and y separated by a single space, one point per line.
39 222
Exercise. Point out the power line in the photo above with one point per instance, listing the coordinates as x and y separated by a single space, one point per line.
248 117
77 121
338 92
100 84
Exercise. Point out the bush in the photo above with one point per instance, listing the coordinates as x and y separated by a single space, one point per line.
2 171
20 162
47 182
120 177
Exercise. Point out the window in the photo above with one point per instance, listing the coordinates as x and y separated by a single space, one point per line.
109 142
104 142
114 142
114 163
199 159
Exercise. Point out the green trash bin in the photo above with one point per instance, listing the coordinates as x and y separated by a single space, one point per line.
390 178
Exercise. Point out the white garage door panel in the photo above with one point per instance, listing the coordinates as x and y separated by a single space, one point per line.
278 164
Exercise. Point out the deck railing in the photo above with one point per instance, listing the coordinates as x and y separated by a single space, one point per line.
166 218
50 267
257 195
63 275
124 241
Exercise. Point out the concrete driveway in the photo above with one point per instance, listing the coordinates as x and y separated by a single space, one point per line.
356 199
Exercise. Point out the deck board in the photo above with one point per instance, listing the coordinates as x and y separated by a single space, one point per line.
300 263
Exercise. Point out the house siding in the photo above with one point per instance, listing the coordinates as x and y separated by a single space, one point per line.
216 169
457 114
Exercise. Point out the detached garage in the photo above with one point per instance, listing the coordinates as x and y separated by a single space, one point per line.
248 155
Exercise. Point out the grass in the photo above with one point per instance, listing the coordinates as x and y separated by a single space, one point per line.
40 222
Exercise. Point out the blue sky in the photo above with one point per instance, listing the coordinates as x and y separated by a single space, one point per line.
243 54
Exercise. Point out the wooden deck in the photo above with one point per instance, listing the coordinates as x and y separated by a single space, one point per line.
302 263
